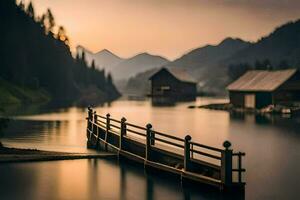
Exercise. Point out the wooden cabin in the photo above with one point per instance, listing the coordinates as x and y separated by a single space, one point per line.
260 88
173 83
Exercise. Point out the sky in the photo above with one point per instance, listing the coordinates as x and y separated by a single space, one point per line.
168 28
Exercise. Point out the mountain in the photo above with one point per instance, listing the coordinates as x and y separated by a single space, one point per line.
215 66
282 44
139 84
202 63
137 64
122 68
103 59
209 55
37 64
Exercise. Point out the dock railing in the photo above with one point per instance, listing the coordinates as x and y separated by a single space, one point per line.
191 151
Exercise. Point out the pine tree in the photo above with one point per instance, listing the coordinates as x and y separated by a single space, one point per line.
93 66
109 79
30 10
51 21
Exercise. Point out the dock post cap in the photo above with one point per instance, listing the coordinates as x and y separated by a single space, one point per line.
123 119
107 115
148 126
188 137
226 144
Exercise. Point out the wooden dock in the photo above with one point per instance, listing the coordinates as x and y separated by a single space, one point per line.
190 161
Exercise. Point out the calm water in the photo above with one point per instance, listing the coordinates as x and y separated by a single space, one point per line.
272 146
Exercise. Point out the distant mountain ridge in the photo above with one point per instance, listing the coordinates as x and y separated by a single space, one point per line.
122 68
136 64
201 63
282 44
103 59
210 64
209 54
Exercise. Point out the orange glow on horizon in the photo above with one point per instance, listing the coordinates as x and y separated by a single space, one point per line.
168 27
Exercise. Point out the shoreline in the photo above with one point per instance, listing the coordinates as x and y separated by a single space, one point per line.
13 155
277 109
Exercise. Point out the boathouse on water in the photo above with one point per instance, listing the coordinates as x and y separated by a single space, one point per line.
260 88
173 83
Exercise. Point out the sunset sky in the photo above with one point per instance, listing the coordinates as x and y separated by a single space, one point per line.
165 27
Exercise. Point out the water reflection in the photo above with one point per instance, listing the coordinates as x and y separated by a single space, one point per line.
285 122
162 101
89 179
271 143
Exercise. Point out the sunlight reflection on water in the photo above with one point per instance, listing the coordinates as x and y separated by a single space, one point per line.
272 144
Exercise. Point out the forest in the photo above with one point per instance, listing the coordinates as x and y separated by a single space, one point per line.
35 60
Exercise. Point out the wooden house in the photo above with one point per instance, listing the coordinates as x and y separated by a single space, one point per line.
260 88
173 83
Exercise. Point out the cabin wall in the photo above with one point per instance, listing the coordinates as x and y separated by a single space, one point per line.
262 99
236 98
177 89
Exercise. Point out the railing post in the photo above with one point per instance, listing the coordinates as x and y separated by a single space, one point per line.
187 155
226 164
148 142
95 117
107 126
95 128
90 113
152 141
240 166
90 117
122 132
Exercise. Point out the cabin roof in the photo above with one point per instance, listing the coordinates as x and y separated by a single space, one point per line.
179 74
261 80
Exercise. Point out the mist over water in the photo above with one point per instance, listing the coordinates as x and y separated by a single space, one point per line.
271 143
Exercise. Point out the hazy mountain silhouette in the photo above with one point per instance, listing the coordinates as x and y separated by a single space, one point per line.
200 62
139 84
211 65
123 68
137 64
209 55
103 59
282 44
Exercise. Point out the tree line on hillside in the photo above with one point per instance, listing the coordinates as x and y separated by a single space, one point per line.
236 70
35 53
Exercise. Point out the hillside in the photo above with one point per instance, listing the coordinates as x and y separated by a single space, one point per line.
140 84
121 68
136 64
202 63
35 58
216 66
15 94
103 59
209 55
282 44
205 64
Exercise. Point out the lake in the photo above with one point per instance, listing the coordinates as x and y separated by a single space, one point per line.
271 143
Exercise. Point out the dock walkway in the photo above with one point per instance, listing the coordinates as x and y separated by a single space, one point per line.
190 161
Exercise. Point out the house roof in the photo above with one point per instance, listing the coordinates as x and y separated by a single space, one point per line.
261 80
179 74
